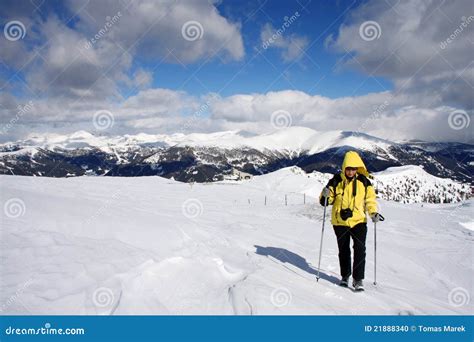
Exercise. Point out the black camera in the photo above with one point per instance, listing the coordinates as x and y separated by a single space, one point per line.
346 213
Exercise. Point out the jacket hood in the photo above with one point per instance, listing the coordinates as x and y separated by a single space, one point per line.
352 159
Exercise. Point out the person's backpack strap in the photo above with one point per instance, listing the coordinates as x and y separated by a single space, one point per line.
364 181
335 180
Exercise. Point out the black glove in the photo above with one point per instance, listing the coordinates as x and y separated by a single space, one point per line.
376 217
324 196
326 192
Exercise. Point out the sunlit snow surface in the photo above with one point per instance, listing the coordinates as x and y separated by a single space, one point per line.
148 245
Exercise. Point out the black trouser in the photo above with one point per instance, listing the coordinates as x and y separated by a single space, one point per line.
343 234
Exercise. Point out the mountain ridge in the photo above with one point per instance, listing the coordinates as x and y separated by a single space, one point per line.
203 157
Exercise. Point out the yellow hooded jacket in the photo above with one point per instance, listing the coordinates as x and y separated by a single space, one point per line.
342 197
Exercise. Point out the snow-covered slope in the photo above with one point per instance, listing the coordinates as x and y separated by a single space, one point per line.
292 181
412 184
149 245
406 184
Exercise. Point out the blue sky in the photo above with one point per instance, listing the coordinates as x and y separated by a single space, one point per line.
264 70
394 68
315 71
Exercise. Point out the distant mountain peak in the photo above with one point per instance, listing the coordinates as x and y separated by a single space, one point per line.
205 157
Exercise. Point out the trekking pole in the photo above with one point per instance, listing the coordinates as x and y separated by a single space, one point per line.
322 234
375 248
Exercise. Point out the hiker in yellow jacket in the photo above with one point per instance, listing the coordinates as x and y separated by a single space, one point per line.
352 196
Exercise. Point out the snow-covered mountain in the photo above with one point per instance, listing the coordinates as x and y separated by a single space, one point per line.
291 139
412 184
405 184
150 245
211 157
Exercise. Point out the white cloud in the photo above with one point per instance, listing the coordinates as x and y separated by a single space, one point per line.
71 82
158 102
163 110
154 28
92 56
141 79
382 114
62 66
150 110
410 49
292 45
